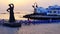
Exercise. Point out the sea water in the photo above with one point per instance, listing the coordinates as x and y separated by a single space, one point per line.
18 15
50 28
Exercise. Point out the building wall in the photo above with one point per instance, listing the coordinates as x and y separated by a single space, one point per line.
40 10
53 10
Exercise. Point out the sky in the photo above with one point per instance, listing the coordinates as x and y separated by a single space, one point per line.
26 5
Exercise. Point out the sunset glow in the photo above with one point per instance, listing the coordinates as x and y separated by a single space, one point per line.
27 4
17 2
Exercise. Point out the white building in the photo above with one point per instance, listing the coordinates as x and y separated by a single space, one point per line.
53 10
41 10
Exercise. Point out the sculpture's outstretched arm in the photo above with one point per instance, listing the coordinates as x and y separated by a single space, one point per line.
8 9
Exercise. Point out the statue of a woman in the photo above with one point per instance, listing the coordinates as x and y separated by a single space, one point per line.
10 10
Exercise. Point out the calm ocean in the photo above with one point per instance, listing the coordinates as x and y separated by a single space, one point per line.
18 15
29 29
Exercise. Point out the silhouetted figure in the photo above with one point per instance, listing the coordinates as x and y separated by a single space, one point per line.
10 10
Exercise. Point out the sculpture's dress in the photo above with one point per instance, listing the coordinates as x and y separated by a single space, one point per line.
10 10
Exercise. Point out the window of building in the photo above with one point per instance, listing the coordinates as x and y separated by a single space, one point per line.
49 11
59 11
54 11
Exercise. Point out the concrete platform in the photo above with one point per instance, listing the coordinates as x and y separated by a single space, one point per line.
12 24
39 17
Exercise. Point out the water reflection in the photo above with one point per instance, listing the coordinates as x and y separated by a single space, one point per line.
8 30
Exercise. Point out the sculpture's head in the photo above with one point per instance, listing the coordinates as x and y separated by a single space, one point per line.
11 5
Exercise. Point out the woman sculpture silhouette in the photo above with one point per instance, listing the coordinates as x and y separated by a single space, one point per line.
10 10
